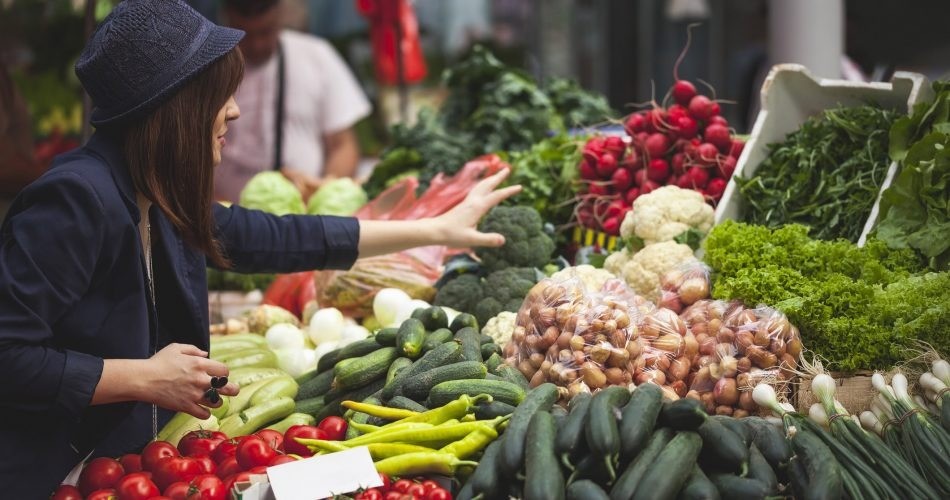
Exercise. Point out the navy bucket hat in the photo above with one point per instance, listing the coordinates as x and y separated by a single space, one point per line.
143 52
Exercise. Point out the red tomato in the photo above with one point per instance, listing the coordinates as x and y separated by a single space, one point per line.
200 442
228 467
273 438
207 487
107 494
177 491
371 494
335 427
260 469
163 497
66 492
136 486
224 450
99 474
131 462
402 486
155 452
281 459
236 478
394 495
438 494
253 452
430 485
302 431
387 482
417 490
174 469
207 465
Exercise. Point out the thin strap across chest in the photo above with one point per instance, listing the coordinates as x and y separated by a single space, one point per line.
279 111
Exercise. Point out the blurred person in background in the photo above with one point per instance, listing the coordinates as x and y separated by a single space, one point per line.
18 166
299 102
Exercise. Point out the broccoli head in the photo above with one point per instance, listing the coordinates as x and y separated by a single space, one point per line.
504 291
462 293
526 244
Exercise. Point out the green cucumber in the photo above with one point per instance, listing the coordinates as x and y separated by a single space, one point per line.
499 390
292 420
329 360
410 338
316 386
723 448
486 339
493 362
513 375
310 406
541 398
490 349
570 437
772 443
463 320
495 409
444 354
486 480
603 434
739 488
471 344
419 386
437 338
357 372
276 387
332 407
822 470
543 478
492 376
256 417
627 483
308 376
760 469
398 366
247 376
387 336
432 318
405 403
586 489
591 468
359 348
747 433
698 487
674 464
638 418
685 414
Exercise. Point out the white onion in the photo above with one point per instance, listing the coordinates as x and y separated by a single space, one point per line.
941 370
326 325
296 362
284 336
386 305
817 414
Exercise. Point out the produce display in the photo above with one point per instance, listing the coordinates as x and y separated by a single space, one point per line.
826 175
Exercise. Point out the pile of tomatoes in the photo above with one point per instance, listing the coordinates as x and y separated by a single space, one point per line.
405 489
204 466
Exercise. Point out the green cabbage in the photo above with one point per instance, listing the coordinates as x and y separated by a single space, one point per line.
340 196
273 193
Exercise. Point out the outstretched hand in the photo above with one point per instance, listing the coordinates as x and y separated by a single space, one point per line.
459 226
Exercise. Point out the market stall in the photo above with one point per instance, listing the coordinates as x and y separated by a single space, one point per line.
678 312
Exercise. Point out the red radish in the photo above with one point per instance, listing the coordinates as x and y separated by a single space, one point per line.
632 195
648 187
706 153
615 209
599 189
676 111
593 149
718 136
588 171
686 127
718 120
631 159
715 109
726 167
607 165
678 163
659 170
683 92
695 178
640 176
672 180
614 145
636 123
612 226
641 138
701 108
657 120
585 217
715 188
690 148
735 149
657 145
622 179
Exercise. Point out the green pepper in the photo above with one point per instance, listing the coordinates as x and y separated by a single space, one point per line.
380 411
414 464
363 428
457 409
440 433
473 443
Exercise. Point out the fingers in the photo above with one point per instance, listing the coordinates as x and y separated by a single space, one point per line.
231 389
487 240
214 368
503 194
197 411
191 350
490 183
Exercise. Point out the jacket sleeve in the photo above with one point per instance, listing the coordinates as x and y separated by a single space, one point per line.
258 242
49 249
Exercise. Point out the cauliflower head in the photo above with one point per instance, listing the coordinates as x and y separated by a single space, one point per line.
501 327
592 277
666 213
643 269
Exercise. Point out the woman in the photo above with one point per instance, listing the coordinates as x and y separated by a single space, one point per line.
103 298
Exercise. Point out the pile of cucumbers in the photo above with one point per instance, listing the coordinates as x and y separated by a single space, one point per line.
424 363
620 445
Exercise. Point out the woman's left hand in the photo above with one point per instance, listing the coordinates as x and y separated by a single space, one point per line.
459 226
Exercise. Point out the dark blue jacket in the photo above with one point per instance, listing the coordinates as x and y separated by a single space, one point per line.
73 292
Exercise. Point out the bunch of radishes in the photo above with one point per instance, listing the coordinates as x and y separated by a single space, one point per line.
687 144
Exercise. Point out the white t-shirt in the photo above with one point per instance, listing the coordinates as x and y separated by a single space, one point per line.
321 97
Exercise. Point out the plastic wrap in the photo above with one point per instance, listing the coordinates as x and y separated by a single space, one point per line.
684 286
739 347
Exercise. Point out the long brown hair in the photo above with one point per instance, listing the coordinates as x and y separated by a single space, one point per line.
170 157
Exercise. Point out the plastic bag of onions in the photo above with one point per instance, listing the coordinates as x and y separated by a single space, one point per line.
685 285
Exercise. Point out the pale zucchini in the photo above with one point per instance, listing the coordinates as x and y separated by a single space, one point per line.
274 388
254 418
